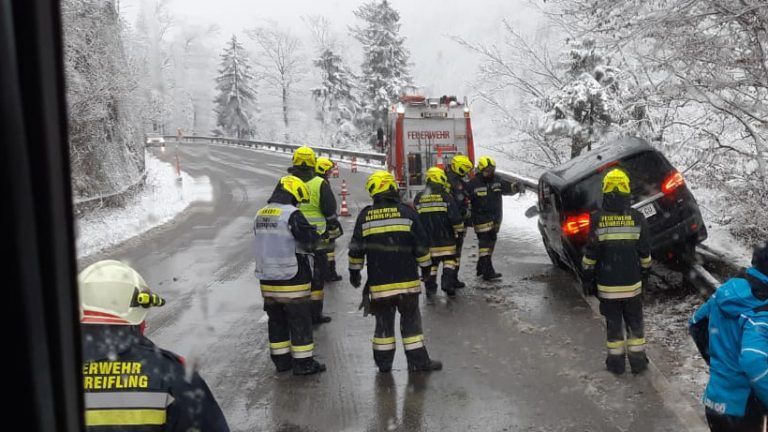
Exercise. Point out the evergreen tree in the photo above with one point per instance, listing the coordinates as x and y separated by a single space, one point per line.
236 102
385 69
337 106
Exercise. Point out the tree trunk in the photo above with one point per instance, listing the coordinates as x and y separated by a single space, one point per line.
285 109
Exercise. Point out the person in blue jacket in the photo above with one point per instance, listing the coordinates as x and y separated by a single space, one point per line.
731 332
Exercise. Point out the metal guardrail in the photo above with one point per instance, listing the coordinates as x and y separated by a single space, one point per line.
529 182
363 157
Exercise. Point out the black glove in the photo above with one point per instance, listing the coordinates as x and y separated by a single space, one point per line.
426 273
355 278
588 287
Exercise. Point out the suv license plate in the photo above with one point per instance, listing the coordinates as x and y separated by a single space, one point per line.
648 210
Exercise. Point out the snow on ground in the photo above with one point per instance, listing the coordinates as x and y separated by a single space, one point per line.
515 225
161 199
715 211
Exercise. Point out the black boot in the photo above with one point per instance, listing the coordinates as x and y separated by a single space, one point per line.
615 364
430 288
459 284
332 276
490 273
321 319
283 362
307 366
447 282
638 362
431 365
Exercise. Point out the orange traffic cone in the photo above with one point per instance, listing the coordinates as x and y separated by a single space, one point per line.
344 191
344 209
354 165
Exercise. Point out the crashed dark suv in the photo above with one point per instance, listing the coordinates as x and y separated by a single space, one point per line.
569 192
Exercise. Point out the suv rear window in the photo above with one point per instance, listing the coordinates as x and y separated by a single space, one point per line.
647 172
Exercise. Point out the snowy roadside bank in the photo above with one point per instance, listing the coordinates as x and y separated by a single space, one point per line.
161 199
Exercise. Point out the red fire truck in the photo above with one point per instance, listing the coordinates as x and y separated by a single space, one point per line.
424 132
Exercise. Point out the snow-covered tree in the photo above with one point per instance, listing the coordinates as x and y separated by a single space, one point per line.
106 147
589 105
236 101
385 69
338 109
280 63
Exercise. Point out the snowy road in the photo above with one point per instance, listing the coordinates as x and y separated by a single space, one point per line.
525 354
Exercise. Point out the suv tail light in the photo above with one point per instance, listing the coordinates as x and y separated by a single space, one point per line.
674 181
576 225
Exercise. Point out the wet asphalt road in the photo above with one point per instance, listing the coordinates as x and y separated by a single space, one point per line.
525 354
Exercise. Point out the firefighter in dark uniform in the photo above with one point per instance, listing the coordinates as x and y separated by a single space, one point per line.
320 211
283 243
485 191
440 217
457 173
323 169
616 261
131 384
390 235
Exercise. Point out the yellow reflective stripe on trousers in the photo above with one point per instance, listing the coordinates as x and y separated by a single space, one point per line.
479 228
636 344
485 251
384 344
449 263
125 417
413 342
279 348
645 262
386 229
302 351
316 295
388 290
615 347
442 251
285 288
619 236
424 260
458 228
588 261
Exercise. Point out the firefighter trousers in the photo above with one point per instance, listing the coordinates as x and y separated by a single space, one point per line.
290 332
486 243
459 246
621 314
410 330
448 280
319 269
331 255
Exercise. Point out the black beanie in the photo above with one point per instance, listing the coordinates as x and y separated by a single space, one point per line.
760 258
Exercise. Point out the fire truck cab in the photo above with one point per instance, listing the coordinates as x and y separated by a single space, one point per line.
425 132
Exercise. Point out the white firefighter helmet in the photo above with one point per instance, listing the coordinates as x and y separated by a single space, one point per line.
113 293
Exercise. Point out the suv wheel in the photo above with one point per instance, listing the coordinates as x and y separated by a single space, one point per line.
556 261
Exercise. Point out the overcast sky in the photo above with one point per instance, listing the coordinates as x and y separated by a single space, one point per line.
440 65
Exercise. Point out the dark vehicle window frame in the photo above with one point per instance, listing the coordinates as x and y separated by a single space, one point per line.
42 291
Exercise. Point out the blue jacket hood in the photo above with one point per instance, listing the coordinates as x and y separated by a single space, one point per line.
735 299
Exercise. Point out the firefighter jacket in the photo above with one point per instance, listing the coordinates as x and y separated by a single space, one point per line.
440 217
391 236
736 321
283 237
322 202
132 385
459 192
485 197
617 251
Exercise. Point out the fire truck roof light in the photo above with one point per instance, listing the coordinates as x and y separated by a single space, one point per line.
400 108
466 108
